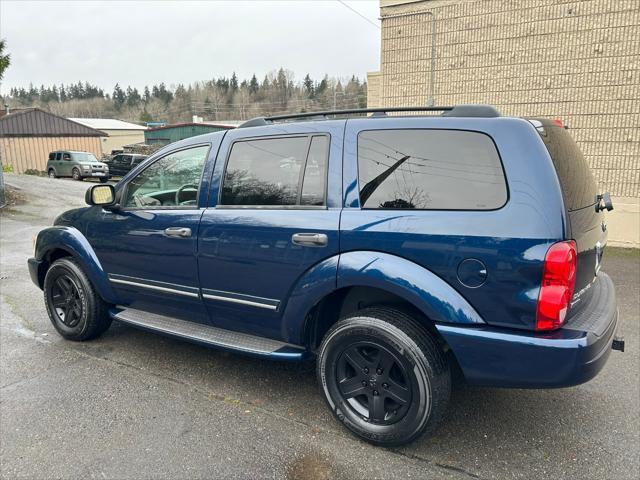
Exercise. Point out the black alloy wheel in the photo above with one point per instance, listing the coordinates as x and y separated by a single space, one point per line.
384 375
374 382
66 300
75 309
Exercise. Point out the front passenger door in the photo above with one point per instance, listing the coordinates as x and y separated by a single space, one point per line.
148 246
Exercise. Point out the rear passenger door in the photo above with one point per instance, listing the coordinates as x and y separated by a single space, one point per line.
271 218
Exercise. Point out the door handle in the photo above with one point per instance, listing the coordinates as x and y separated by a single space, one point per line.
310 239
177 232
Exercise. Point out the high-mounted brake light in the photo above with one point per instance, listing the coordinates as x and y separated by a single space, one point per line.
556 288
558 122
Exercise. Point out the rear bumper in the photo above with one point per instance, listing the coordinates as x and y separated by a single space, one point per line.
569 356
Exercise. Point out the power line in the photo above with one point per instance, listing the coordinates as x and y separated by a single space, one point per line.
359 14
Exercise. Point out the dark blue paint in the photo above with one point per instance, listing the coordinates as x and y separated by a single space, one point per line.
247 255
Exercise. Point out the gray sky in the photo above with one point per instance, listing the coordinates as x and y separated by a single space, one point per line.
147 42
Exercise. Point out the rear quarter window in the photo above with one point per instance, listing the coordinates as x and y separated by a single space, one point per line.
429 169
579 187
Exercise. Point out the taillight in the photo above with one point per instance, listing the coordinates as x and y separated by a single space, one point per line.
558 282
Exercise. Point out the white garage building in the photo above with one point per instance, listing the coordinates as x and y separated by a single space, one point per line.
119 133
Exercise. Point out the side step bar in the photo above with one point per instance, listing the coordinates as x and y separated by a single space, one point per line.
207 335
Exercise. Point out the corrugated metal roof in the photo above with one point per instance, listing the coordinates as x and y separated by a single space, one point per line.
34 122
108 124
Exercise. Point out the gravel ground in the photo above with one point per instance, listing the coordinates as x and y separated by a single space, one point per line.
135 405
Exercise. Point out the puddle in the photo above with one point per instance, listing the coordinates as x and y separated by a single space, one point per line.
310 467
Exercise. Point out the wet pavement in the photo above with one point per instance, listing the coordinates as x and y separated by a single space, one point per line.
136 405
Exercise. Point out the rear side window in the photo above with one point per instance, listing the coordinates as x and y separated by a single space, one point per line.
579 188
429 170
285 171
52 156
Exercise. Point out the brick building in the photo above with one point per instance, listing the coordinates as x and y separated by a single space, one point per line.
574 60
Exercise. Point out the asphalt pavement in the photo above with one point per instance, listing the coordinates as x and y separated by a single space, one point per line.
132 404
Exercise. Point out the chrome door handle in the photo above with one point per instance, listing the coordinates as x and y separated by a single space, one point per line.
310 239
177 232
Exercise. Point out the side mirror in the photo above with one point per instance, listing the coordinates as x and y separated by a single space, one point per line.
103 195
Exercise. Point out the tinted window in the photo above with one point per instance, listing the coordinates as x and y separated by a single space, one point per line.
52 156
429 169
268 172
315 174
58 156
66 156
159 183
576 180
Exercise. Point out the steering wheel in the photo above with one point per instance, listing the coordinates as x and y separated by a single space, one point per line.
182 188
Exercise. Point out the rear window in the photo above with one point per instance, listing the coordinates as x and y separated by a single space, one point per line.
429 170
579 188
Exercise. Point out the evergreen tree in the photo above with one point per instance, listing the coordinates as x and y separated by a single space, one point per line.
254 86
233 83
119 97
308 86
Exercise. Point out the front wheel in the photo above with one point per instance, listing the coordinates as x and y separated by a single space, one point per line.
75 173
384 376
75 309
52 173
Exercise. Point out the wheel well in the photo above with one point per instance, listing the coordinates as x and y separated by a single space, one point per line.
345 301
50 257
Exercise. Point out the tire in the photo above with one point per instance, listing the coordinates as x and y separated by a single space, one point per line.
75 309
419 376
52 173
104 180
75 173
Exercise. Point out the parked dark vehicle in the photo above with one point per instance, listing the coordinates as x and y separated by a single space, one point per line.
122 163
394 249
78 165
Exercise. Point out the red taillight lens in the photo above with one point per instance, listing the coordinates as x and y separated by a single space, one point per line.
558 282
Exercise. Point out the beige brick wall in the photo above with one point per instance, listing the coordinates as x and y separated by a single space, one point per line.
374 85
574 60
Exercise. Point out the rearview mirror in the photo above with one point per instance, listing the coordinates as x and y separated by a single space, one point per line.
103 195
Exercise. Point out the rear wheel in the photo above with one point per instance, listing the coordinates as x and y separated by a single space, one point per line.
75 309
384 376
75 173
104 180
52 173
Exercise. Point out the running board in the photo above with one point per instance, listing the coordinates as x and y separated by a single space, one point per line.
207 335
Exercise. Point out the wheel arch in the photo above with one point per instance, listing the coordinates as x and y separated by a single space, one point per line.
58 242
361 279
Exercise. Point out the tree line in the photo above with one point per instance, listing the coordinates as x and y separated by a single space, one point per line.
223 98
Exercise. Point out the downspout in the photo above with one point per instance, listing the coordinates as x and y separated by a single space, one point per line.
431 101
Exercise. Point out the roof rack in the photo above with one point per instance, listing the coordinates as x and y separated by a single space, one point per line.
455 111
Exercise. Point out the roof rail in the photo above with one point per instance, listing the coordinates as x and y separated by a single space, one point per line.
455 111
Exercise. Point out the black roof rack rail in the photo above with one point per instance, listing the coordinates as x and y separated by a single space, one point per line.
455 111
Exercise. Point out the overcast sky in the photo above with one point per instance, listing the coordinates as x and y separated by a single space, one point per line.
146 42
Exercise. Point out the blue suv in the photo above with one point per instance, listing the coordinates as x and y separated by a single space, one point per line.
396 249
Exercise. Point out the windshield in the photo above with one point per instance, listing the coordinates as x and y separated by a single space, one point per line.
85 157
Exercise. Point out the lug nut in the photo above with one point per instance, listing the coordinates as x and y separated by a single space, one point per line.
364 383
385 385
375 393
379 371
365 370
